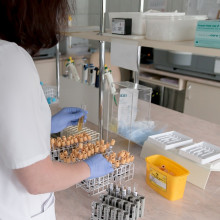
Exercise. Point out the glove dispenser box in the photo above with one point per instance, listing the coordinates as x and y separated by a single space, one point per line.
129 111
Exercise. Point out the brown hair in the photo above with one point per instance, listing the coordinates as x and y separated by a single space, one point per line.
33 24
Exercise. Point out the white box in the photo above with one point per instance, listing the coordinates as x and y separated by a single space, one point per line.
138 21
171 27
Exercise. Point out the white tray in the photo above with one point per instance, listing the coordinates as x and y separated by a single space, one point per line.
169 140
202 152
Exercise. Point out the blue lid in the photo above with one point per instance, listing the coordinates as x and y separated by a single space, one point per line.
85 66
49 100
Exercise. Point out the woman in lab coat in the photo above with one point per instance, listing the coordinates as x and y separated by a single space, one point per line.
28 177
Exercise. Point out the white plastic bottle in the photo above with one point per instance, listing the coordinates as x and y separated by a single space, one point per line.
72 69
109 78
91 74
85 74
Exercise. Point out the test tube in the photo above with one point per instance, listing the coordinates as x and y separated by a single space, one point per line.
135 189
123 193
117 192
128 190
81 120
111 189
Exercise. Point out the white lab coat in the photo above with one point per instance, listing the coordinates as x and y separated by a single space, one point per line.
25 123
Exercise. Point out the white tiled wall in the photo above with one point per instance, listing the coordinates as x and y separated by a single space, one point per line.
81 15
87 11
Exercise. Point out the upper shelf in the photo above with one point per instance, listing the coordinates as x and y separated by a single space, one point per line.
181 46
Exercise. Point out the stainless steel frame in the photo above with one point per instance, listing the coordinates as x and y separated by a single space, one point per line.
141 5
136 73
101 63
101 66
58 70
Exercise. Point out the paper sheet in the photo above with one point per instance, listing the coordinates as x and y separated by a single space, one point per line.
128 101
124 53
203 7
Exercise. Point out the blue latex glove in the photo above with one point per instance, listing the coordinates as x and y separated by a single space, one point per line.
99 166
67 117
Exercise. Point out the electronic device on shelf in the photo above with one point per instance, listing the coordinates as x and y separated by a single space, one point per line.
187 64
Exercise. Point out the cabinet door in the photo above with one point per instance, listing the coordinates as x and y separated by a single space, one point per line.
202 101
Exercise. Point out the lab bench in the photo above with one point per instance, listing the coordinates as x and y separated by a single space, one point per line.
74 203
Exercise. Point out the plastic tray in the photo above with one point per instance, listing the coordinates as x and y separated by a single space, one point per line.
202 152
50 93
169 140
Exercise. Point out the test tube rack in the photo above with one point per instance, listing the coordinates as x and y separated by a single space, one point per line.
50 91
94 186
73 130
118 204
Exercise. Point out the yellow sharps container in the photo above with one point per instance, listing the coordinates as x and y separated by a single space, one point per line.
166 177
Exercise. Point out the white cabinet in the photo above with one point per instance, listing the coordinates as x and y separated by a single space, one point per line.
203 101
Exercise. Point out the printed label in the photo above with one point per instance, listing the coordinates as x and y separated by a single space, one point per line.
127 110
158 179
118 26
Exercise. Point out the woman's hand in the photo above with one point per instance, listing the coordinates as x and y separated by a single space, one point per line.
99 166
67 117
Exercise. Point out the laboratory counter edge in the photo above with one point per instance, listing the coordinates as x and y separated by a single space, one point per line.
75 203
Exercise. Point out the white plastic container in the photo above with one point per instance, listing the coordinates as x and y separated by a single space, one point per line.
202 152
138 21
171 27
170 140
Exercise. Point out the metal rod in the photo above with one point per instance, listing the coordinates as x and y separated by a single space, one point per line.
162 95
101 85
141 5
102 17
101 67
136 73
58 70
